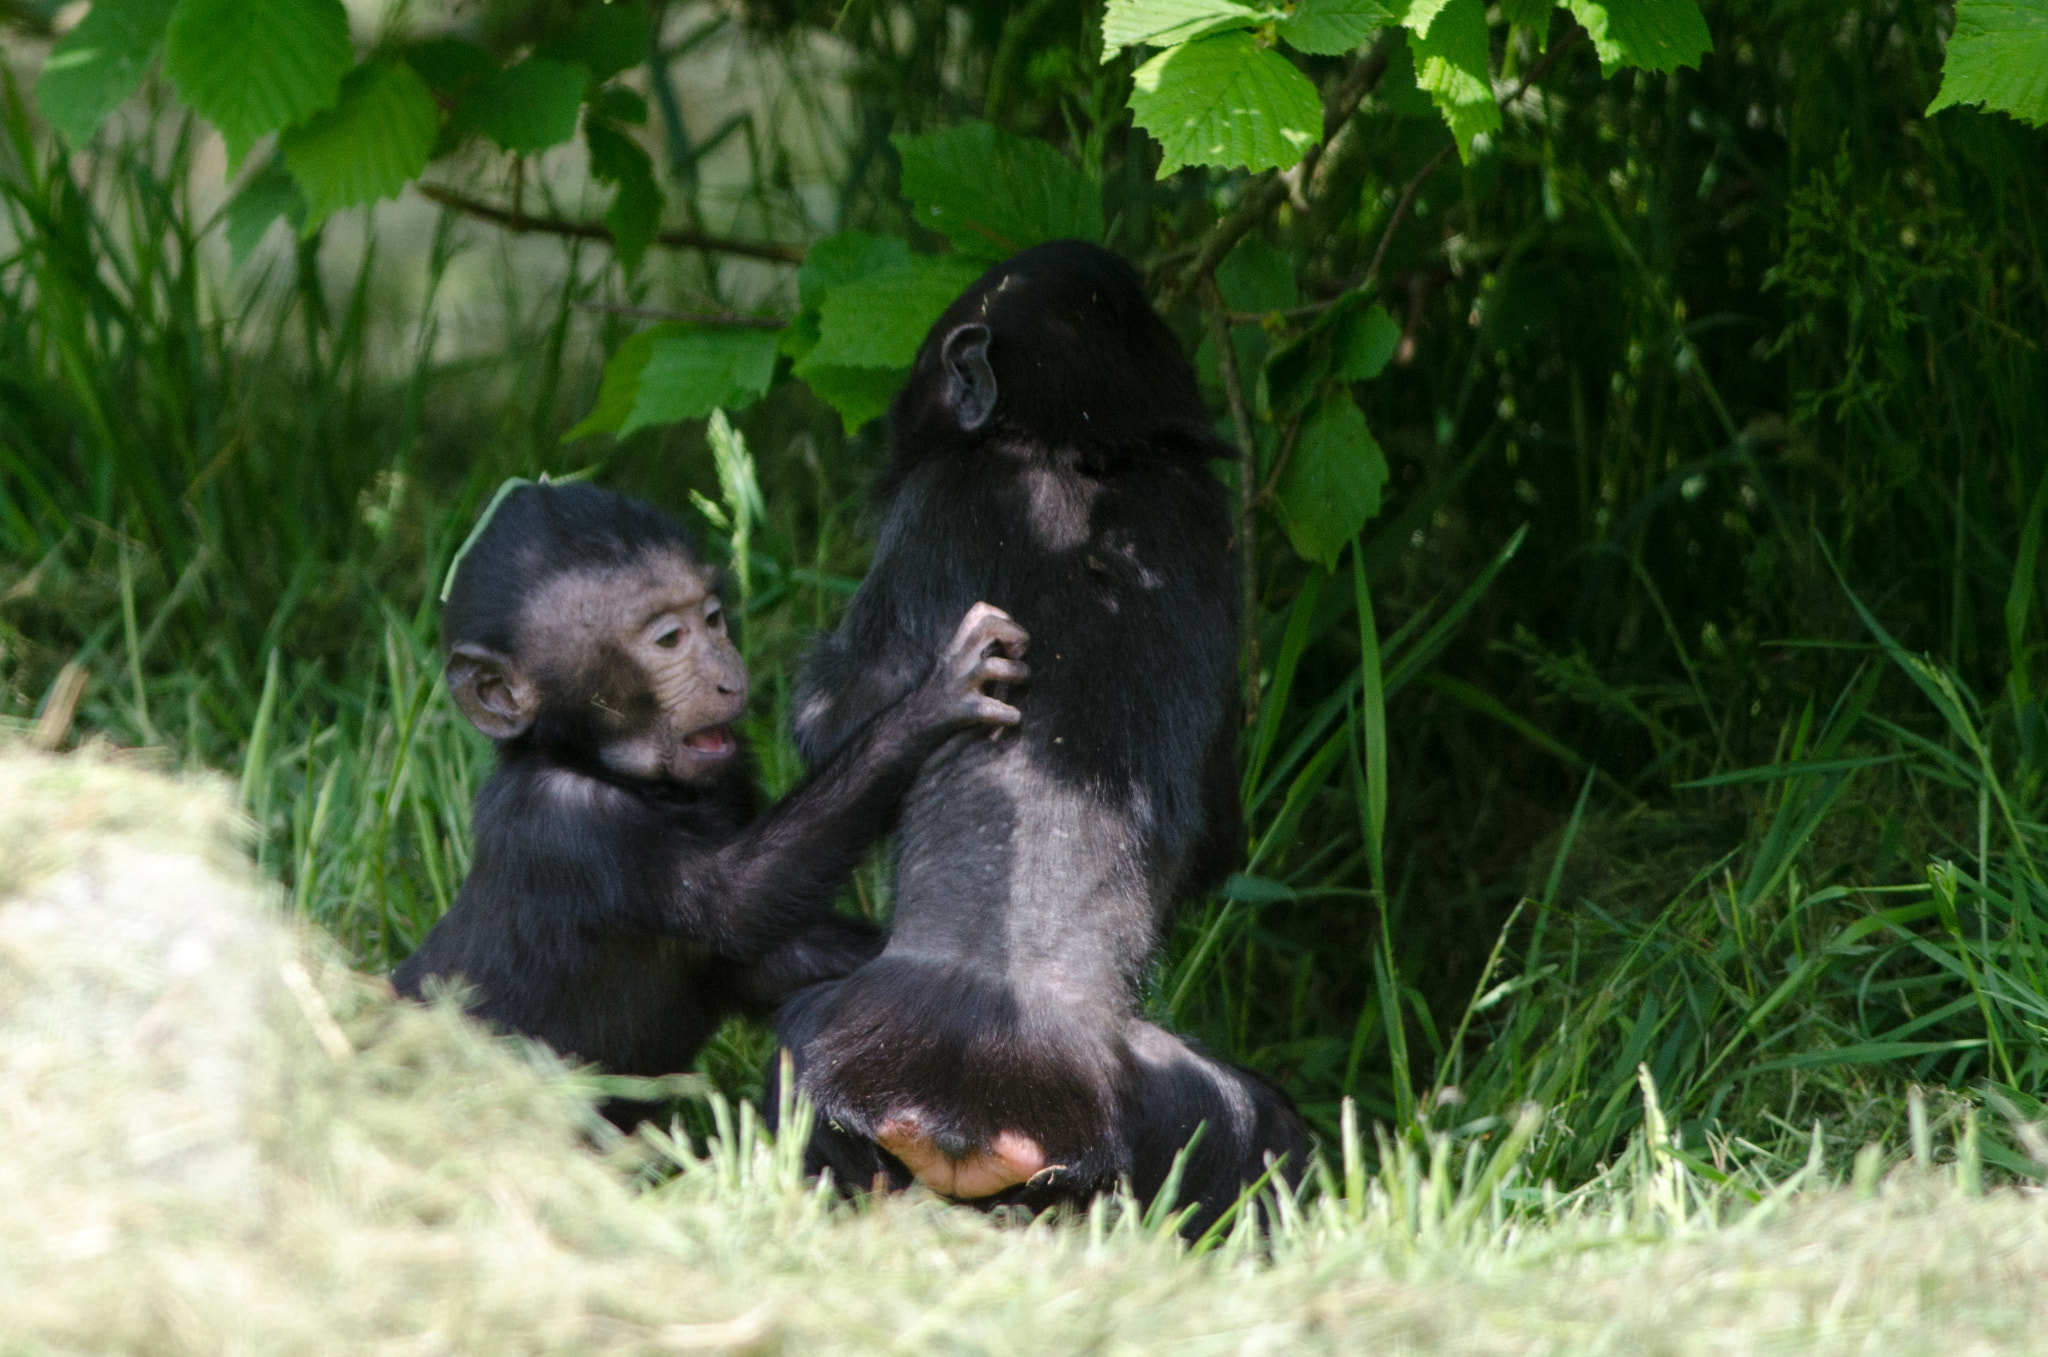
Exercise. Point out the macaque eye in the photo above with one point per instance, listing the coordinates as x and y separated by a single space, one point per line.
670 638
714 618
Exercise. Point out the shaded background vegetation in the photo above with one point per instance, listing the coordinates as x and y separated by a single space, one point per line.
1731 354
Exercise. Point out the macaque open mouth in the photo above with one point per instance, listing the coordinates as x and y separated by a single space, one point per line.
712 741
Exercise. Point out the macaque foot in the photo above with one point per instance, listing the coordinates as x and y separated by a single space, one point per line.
962 1171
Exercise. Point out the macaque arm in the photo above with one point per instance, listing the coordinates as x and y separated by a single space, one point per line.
778 875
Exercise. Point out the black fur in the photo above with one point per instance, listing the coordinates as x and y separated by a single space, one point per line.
1034 872
619 919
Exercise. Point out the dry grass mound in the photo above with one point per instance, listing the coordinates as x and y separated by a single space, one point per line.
214 1137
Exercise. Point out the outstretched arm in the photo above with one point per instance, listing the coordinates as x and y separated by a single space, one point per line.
845 683
778 875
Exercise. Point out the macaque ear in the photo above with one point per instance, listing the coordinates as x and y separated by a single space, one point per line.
970 381
492 691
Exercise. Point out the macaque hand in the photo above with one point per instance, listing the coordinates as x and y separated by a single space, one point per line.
987 647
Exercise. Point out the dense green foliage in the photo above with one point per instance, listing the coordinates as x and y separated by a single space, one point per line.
1645 457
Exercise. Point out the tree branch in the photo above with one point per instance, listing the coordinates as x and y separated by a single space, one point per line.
519 222
737 319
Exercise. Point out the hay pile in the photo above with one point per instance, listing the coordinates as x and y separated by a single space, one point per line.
213 1137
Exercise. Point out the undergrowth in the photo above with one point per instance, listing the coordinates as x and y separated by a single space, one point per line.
1678 725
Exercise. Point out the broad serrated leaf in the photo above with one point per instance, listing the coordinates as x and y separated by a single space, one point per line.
528 107
1450 46
1331 485
1353 340
252 67
1657 35
878 321
260 202
617 159
1258 276
619 104
618 390
1330 28
1998 57
1294 374
99 63
858 395
1364 343
844 257
449 64
798 337
370 145
1224 100
692 370
607 39
1528 13
1167 23
992 193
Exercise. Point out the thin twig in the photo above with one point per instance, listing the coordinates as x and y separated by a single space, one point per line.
1308 312
1247 476
1272 485
736 319
590 230
1408 192
1414 185
1267 193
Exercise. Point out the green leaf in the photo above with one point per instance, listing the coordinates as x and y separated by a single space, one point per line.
993 193
1352 341
370 145
677 371
1657 35
879 321
1364 343
260 202
844 257
1331 485
857 394
1293 375
619 104
252 67
1168 23
1528 14
1224 100
1258 276
635 213
608 38
695 369
1997 57
799 337
621 385
99 63
449 64
1330 28
1450 46
528 107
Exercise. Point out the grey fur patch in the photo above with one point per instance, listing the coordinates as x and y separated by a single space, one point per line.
1006 868
1060 504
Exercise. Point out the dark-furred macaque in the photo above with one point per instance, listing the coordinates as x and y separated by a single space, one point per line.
626 890
1051 454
